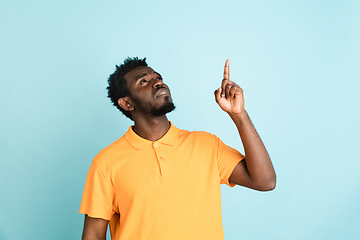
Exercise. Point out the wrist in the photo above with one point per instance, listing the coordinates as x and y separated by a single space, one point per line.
240 116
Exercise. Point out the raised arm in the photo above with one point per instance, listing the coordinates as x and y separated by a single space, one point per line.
94 228
256 170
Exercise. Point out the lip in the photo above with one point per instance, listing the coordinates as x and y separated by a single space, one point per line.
162 92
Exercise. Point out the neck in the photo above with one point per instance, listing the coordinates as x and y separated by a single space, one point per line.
151 128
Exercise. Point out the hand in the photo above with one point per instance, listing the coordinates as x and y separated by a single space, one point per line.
229 96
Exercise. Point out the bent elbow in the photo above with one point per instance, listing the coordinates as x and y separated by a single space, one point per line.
268 185
271 186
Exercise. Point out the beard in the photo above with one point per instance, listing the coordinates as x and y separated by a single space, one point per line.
156 110
162 110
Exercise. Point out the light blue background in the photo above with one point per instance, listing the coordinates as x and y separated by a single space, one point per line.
297 61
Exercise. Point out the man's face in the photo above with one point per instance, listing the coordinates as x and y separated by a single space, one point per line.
148 93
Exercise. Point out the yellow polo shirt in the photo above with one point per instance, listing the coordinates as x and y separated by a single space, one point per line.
163 190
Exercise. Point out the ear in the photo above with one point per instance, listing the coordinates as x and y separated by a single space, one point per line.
125 104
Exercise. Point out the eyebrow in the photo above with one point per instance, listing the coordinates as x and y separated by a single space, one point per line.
158 74
141 75
144 74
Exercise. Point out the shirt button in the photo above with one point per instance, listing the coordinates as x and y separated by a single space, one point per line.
156 144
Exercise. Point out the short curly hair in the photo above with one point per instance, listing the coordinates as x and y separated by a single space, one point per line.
117 84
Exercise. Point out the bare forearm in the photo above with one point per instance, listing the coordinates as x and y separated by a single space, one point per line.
258 162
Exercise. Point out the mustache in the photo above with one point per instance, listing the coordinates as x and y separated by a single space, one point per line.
159 88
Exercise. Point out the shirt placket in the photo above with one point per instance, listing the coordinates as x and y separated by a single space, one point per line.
164 166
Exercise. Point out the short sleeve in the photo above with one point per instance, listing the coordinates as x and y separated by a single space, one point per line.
228 158
98 195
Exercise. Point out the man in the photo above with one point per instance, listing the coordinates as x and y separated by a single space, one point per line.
160 182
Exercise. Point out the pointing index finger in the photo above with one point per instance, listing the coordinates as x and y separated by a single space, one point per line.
226 69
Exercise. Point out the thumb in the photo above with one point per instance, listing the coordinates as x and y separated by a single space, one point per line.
217 94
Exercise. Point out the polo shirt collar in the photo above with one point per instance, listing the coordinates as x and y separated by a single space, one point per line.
140 143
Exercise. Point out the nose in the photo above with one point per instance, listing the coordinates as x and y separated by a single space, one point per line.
158 83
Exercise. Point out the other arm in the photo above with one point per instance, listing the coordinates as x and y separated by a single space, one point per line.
256 171
94 228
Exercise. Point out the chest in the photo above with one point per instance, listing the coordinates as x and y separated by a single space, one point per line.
159 173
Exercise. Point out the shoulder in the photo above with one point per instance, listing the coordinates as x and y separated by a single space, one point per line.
105 156
196 133
197 136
